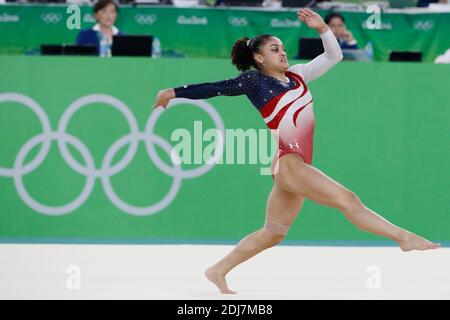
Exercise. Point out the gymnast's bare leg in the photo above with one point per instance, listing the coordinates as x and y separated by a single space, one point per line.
294 181
281 210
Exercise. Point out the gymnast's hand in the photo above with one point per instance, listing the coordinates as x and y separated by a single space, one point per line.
312 20
163 97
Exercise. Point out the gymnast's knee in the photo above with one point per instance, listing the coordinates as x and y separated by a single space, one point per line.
274 232
350 203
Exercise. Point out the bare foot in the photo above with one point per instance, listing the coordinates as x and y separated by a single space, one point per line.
414 242
219 280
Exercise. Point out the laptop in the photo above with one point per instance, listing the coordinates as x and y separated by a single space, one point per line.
309 48
68 49
409 56
132 45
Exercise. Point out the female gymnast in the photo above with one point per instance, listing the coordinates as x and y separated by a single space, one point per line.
281 95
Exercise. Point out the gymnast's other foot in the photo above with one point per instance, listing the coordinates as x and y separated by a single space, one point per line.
219 280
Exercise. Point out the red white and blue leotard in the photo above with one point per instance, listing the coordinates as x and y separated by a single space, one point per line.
286 106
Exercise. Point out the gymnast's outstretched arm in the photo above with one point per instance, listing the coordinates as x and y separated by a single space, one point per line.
230 87
322 63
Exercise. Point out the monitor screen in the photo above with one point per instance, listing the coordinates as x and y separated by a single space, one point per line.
132 45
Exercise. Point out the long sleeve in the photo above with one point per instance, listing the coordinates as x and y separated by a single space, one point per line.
239 85
322 63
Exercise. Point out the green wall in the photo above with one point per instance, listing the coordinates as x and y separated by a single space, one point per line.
382 130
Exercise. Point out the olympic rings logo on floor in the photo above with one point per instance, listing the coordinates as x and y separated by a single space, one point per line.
107 170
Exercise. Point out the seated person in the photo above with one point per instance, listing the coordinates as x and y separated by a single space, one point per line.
105 12
345 38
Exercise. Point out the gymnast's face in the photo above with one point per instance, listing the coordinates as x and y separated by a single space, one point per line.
272 55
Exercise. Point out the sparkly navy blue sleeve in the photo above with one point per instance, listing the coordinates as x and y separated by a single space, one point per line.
242 84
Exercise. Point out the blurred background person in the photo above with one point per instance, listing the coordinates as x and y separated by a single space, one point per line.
101 34
336 22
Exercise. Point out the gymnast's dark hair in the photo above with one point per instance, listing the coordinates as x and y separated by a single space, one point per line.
242 54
